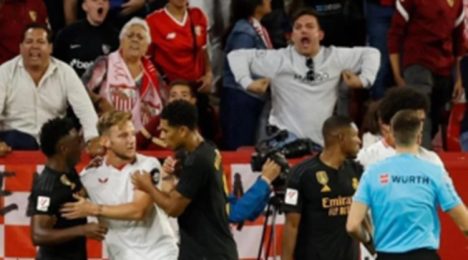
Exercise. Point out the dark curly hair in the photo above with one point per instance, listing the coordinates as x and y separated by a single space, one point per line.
180 113
400 98
52 132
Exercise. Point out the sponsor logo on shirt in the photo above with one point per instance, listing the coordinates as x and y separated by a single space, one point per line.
322 178
410 179
338 206
43 203
74 46
171 36
319 76
291 196
78 64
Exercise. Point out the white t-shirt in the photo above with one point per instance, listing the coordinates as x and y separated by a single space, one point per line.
381 150
152 238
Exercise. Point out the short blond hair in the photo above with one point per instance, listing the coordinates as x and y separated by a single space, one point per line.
112 118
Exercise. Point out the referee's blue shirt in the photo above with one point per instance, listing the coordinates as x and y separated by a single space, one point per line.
403 193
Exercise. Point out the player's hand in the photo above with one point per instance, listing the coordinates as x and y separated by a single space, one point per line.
132 6
271 170
94 147
79 209
95 162
4 149
259 86
142 181
351 79
399 81
206 83
94 231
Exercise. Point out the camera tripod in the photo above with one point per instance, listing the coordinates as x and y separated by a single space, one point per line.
273 208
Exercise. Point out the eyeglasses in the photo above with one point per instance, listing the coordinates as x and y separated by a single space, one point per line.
310 73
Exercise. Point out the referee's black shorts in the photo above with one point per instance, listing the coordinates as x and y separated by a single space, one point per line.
418 254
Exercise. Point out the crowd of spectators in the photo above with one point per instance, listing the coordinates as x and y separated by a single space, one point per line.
128 55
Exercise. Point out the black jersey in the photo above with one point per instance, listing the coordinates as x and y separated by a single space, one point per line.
50 191
323 196
204 228
81 43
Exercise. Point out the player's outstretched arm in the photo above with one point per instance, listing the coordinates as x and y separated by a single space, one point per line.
43 232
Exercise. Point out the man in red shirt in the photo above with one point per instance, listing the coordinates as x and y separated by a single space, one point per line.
428 35
14 16
179 38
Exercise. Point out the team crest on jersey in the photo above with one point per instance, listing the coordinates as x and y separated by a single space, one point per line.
106 49
198 30
322 178
65 181
355 183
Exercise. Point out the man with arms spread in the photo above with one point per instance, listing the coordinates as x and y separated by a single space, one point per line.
199 198
318 197
304 77
57 237
403 193
137 229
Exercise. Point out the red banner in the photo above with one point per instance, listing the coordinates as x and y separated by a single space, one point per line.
15 239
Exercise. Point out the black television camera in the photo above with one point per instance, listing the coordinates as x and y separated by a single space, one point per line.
279 153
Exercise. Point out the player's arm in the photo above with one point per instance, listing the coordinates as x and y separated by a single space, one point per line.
459 214
135 210
355 222
290 235
173 203
43 232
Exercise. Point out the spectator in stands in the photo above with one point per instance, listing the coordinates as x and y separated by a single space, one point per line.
396 99
35 87
428 37
80 43
378 18
240 110
179 51
304 77
403 194
126 78
14 16
371 125
149 136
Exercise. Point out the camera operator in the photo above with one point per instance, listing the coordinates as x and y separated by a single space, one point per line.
253 202
318 196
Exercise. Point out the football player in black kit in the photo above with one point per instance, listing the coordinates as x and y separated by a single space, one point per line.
199 198
318 197
57 237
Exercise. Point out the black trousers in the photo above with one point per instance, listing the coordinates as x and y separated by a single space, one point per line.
419 254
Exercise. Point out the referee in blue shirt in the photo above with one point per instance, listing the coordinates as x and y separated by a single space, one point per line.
403 193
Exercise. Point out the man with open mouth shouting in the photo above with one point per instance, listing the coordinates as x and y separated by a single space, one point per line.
304 77
82 42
